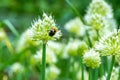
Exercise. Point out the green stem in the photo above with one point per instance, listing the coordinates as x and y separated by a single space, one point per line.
80 17
101 70
11 27
117 27
111 67
89 40
68 68
82 67
19 76
96 74
90 74
74 70
43 60
106 61
82 72
119 74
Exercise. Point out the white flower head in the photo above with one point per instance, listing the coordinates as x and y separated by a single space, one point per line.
96 21
79 77
52 72
109 44
45 29
115 73
2 34
25 41
50 56
76 47
15 68
75 26
57 47
100 7
104 77
92 59
82 48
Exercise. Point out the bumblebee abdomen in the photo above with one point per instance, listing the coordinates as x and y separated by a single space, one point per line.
52 32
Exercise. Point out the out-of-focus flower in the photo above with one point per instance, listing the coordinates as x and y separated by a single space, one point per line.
15 68
75 26
2 34
76 47
100 16
50 56
104 77
57 47
100 7
75 66
25 41
115 73
96 21
92 35
79 77
109 44
45 29
92 59
5 77
52 72
82 48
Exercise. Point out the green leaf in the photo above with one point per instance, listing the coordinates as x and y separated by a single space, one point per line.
11 27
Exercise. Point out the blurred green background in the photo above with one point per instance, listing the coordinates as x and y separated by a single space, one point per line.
22 12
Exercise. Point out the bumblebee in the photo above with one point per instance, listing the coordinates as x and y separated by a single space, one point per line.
52 31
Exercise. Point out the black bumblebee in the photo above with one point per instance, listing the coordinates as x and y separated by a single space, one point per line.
52 31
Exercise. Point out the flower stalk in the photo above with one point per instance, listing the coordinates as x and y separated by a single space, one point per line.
101 69
90 74
119 74
111 67
44 29
106 61
82 72
74 70
43 60
82 67
96 74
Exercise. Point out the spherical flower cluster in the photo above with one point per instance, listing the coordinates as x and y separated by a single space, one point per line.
52 72
75 26
109 44
76 47
82 48
15 68
57 47
100 7
96 21
92 59
25 41
99 16
50 56
45 29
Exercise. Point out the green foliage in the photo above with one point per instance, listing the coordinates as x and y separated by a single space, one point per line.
16 17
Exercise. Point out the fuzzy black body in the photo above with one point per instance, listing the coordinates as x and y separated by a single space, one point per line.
52 32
